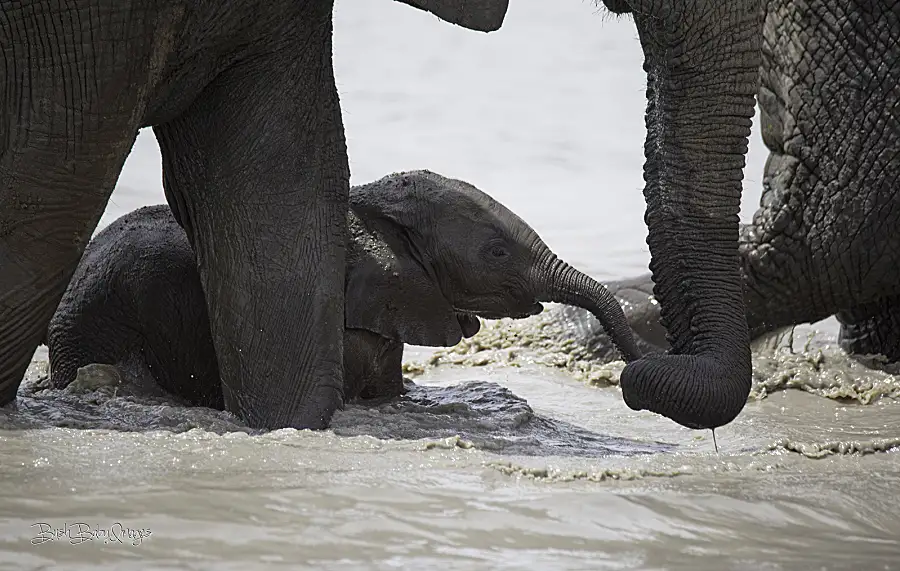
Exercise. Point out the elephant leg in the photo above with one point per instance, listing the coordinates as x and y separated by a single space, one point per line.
387 378
256 172
71 103
872 329
825 237
47 215
373 366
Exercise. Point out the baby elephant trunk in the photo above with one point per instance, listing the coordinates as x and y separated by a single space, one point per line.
564 284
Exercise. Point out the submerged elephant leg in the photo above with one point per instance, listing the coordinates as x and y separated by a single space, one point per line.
825 238
72 96
872 329
256 172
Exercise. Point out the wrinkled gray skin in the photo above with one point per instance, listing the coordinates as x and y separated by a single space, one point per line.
242 99
426 256
826 238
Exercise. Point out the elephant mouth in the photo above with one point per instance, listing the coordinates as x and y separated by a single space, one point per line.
468 324
467 316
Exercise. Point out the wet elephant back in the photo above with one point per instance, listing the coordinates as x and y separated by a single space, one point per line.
137 293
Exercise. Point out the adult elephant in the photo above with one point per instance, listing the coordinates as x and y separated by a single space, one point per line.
825 239
242 99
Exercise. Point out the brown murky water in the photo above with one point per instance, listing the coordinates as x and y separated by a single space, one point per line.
513 450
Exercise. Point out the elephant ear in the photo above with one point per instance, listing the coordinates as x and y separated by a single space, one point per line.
391 294
479 15
392 289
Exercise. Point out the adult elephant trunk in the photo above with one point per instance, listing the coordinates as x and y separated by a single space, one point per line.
559 282
701 58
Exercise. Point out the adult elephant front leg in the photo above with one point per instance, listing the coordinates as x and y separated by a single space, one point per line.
48 210
702 60
73 89
256 171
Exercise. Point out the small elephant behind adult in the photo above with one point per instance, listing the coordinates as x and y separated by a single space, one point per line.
426 256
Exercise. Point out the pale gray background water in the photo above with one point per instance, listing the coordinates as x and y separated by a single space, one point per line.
547 116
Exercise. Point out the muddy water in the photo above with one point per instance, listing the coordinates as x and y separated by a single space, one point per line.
513 450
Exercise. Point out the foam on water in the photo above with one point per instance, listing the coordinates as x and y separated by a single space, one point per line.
571 340
477 413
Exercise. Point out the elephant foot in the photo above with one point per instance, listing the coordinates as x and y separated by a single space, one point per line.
872 330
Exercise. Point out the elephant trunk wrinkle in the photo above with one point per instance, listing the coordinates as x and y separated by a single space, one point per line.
698 123
564 284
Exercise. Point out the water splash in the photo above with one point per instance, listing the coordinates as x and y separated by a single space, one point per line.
570 339
478 414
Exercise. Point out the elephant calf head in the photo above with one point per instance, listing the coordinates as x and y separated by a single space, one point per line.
430 254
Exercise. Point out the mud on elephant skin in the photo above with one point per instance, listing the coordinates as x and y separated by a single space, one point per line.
426 257
825 240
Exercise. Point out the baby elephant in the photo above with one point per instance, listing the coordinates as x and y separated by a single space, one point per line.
426 256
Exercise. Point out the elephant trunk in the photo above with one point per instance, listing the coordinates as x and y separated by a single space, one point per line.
561 283
702 63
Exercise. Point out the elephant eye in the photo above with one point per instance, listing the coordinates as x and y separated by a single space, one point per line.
499 251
